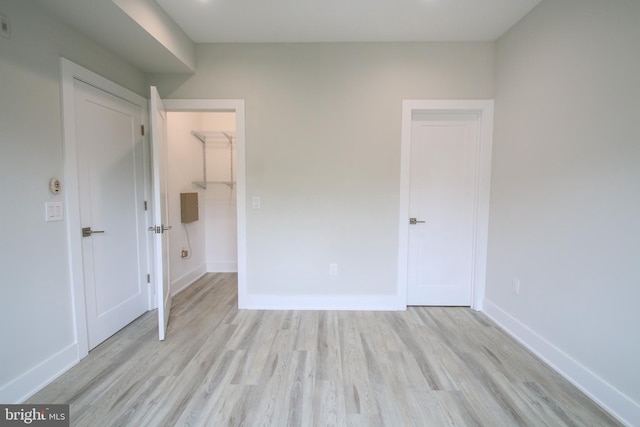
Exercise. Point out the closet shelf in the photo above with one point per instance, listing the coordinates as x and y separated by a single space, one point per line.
208 135
211 136
203 184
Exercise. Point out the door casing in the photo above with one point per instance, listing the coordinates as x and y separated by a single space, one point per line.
484 109
236 106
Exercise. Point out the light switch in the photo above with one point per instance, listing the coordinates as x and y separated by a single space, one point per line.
53 211
256 202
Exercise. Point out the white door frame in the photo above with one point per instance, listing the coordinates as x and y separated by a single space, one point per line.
237 106
69 72
484 108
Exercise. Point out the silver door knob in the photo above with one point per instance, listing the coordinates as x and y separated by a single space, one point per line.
159 229
415 221
87 231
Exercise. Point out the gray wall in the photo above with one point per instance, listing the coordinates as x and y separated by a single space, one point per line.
323 150
565 198
35 302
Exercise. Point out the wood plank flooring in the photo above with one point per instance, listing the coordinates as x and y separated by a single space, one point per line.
428 366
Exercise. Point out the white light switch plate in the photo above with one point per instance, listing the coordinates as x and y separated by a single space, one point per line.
53 211
256 202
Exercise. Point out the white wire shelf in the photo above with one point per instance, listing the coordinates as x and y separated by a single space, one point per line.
203 184
205 137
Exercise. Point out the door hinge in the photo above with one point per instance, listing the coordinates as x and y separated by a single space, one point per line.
142 129
145 205
148 278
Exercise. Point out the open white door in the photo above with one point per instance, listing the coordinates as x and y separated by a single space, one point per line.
160 210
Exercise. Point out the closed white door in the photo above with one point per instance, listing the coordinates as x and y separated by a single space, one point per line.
111 188
443 174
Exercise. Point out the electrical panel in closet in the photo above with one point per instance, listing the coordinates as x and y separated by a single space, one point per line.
188 207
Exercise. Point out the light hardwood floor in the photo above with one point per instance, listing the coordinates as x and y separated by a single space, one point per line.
428 366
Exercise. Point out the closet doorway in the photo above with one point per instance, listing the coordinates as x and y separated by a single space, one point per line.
206 158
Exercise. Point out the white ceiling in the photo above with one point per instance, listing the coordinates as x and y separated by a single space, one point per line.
345 20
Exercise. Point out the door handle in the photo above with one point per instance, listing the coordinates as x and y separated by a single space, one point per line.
415 221
87 231
159 229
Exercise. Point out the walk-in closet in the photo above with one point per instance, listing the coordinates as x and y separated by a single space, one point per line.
202 160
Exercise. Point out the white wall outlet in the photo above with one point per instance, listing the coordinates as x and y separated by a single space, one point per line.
5 27
333 269
516 286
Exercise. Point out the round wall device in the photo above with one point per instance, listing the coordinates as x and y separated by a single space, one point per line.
55 185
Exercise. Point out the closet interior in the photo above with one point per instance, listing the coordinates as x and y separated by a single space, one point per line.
202 160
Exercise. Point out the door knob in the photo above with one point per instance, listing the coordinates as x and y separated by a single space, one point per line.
415 221
159 229
87 231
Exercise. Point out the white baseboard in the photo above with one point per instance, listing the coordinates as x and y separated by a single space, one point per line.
30 382
222 267
183 282
606 395
315 302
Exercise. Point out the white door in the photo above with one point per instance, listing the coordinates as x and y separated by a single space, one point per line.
160 210
443 174
111 189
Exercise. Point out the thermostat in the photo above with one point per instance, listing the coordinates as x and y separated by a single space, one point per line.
55 186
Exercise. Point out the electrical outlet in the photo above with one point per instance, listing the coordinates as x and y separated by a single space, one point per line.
333 269
516 286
